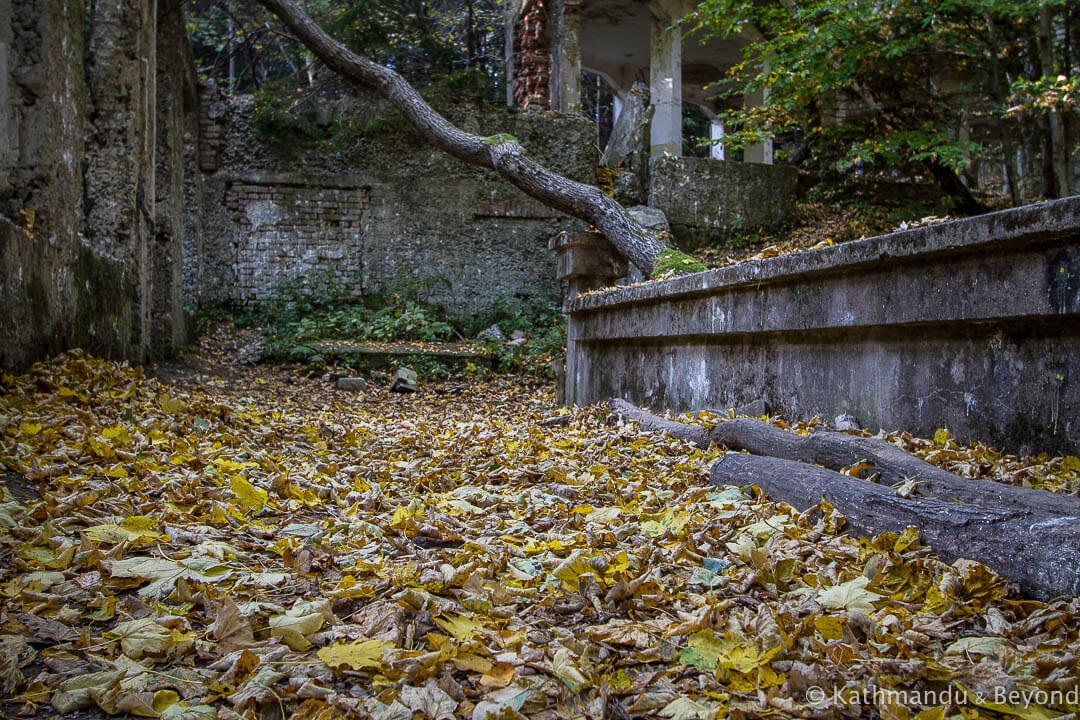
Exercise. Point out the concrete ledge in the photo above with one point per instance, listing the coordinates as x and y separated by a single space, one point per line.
972 325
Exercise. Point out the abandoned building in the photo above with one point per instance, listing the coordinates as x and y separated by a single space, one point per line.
131 193
638 53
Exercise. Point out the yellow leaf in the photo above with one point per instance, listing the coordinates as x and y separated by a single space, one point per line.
831 628
471 662
461 627
248 496
294 628
942 436
730 652
142 637
1072 463
232 465
909 538
356 655
173 405
117 471
851 595
26 428
135 528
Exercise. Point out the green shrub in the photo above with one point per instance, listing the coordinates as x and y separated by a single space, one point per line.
302 311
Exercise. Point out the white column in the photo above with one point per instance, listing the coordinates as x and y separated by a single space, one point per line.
665 86
761 153
566 57
718 151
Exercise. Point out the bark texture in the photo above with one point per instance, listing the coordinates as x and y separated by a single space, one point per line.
835 450
1040 553
500 153
1031 537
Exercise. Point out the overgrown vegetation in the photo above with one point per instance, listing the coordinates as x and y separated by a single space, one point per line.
456 43
908 88
303 313
310 308
675 262
544 328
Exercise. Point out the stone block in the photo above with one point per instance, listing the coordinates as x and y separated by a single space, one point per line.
705 200
352 384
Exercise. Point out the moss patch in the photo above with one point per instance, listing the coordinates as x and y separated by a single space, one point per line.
675 262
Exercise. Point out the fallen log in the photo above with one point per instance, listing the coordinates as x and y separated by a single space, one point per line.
1038 551
693 434
835 450
1031 537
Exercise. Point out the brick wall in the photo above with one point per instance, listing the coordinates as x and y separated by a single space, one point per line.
287 231
532 56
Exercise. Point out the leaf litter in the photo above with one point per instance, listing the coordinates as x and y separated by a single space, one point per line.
261 546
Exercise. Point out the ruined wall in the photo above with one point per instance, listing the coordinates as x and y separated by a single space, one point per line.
973 325
386 209
531 58
705 200
78 177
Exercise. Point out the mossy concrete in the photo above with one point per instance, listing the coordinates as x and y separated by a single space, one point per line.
972 325
78 206
707 201
463 236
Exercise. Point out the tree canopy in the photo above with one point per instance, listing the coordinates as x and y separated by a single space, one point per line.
908 85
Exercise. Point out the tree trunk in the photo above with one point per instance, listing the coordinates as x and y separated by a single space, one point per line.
1031 537
1058 161
501 153
963 201
1004 126
836 450
1040 553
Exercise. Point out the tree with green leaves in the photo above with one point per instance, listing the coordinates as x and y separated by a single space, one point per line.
242 46
909 86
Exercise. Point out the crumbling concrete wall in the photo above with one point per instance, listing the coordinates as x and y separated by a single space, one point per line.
388 209
706 200
78 91
972 325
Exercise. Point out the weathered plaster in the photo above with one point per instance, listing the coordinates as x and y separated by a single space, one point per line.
973 325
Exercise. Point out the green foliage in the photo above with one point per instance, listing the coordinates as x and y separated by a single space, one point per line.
284 115
453 43
675 262
544 326
308 309
887 85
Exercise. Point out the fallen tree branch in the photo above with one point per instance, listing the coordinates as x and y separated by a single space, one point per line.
1031 537
836 451
501 153
1040 553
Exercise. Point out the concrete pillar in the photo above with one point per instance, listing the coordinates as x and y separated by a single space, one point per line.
665 85
510 20
586 260
566 57
761 153
718 150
